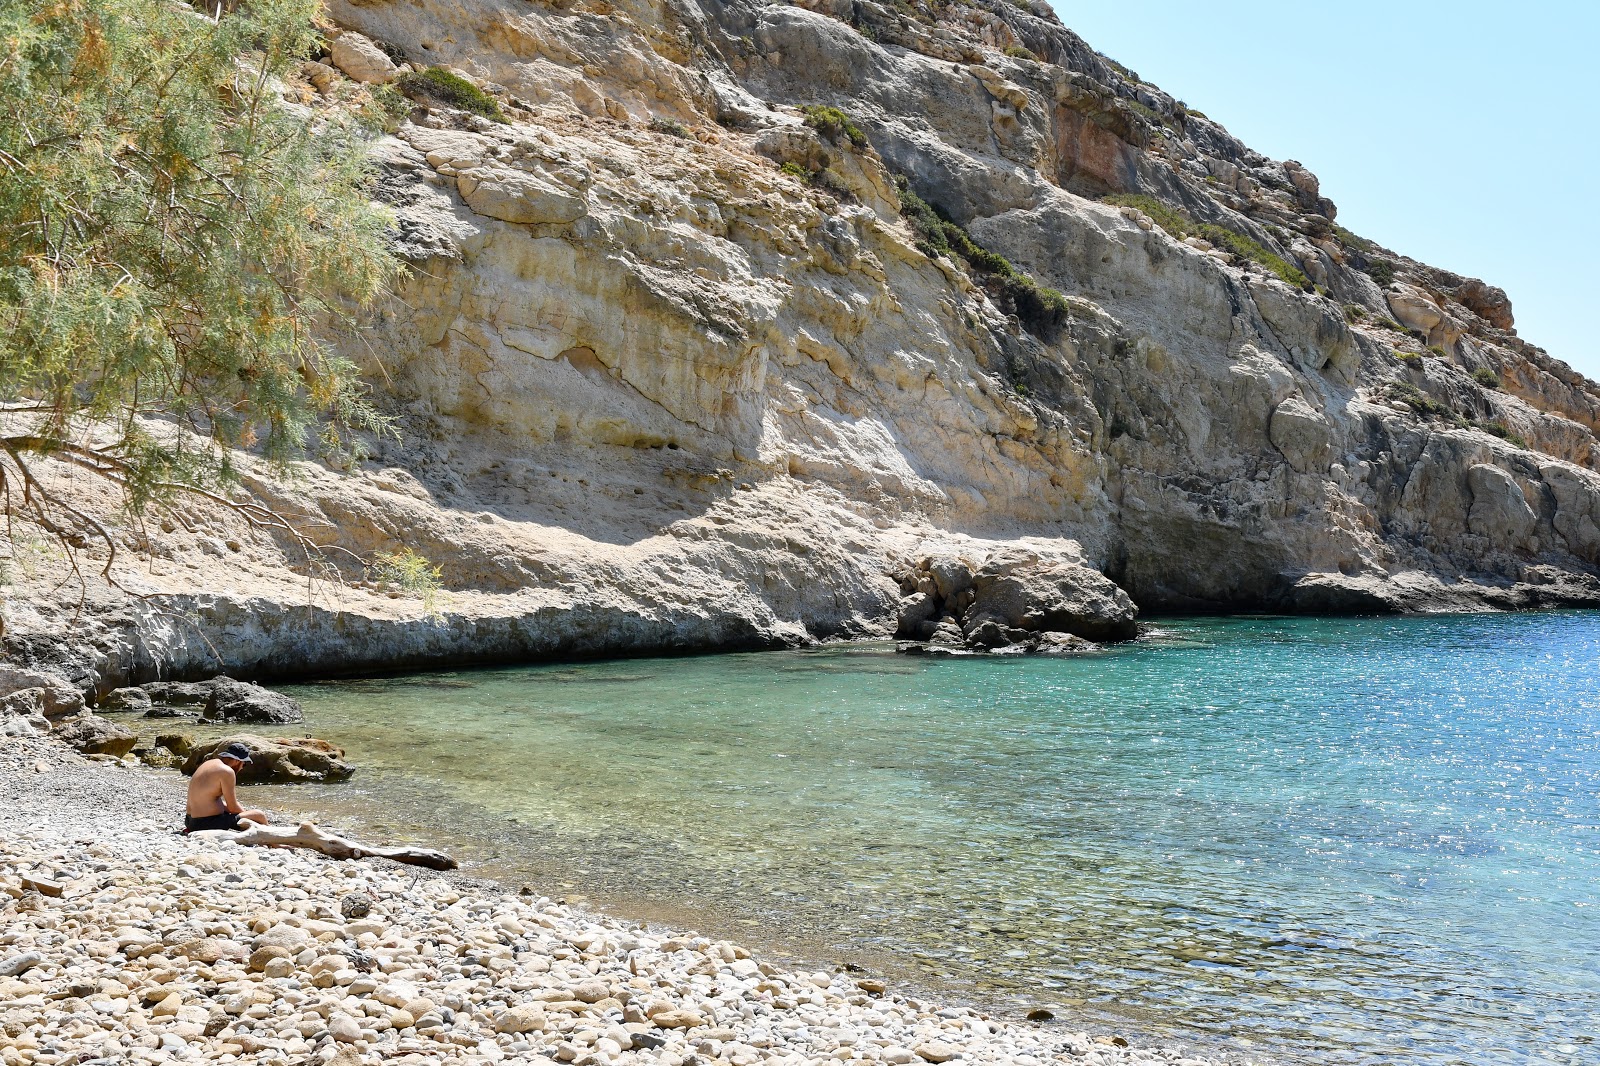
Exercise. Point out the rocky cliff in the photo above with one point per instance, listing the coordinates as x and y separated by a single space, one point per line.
755 323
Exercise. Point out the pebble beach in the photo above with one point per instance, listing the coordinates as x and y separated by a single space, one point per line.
161 948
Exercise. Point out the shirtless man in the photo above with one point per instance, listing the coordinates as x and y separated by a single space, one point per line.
212 803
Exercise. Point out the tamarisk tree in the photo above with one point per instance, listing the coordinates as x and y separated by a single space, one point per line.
177 248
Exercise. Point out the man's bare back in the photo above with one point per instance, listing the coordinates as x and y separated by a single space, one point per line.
213 803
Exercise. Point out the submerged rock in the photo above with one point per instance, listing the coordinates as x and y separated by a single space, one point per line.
221 699
240 701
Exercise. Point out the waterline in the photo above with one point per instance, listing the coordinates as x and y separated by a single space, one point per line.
1350 841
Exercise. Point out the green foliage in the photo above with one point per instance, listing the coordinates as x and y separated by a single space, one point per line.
1415 398
387 108
1409 357
1247 248
1354 312
1178 224
1380 270
1388 323
1150 114
1438 350
671 127
409 573
1040 309
1486 377
1120 69
1503 431
439 84
1169 218
1350 240
1406 393
795 170
175 242
1018 52
833 124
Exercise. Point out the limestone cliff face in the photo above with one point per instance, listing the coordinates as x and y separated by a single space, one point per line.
672 370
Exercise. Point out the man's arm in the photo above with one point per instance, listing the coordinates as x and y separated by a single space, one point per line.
230 802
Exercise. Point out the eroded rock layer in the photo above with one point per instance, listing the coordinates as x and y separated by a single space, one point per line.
674 369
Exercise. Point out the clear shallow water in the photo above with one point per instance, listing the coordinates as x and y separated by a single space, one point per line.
1340 841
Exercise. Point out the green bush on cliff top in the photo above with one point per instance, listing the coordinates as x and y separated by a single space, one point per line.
174 243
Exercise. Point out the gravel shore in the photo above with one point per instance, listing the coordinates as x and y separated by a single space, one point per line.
163 948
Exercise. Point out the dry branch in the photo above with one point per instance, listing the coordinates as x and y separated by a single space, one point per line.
308 836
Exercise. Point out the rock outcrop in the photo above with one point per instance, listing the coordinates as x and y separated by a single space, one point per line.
673 370
277 760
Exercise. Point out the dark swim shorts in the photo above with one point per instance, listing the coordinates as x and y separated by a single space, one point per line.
226 821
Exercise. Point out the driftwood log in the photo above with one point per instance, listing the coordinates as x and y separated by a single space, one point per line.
308 836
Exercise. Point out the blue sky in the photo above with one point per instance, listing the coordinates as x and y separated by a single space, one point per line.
1459 133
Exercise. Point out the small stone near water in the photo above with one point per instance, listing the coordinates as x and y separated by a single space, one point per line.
1040 1014
936 1051
677 1019
355 906
160 711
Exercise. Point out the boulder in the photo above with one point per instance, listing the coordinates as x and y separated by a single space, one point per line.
18 678
278 761
1017 590
1303 435
126 699
951 574
518 196
178 693
1499 509
1488 303
362 60
54 700
94 735
240 701
916 610
180 744
1061 644
1415 309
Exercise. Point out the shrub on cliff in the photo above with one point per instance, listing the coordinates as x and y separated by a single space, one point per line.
437 83
833 124
1176 222
175 242
1039 308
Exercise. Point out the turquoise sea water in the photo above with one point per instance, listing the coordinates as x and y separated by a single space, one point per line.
1333 841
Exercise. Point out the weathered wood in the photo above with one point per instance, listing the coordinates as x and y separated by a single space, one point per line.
308 836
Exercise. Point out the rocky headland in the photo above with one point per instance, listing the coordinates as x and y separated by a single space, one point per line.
749 324
121 941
